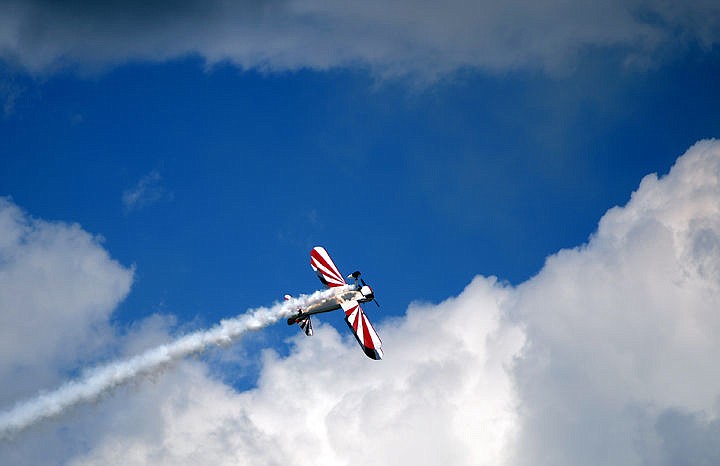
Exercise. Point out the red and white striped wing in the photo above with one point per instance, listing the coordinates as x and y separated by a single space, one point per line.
362 329
325 268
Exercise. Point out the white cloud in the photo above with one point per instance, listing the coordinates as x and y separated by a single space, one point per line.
607 356
147 191
426 39
624 331
443 395
58 287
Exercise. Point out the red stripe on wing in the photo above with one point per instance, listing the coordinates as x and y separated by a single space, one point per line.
367 340
363 330
327 271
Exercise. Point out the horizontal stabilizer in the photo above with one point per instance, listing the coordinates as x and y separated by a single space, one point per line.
306 324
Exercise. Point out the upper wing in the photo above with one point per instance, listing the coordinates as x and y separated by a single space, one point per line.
362 328
325 268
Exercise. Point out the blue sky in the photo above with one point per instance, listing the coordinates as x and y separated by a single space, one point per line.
209 147
420 187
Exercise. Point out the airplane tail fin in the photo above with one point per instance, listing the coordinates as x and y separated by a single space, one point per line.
304 323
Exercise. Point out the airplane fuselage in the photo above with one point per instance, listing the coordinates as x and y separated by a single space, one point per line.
347 293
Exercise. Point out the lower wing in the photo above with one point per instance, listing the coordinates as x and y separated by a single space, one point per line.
362 329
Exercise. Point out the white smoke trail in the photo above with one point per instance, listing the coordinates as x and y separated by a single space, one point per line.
107 377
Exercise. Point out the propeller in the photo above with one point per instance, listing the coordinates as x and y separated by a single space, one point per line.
356 276
374 300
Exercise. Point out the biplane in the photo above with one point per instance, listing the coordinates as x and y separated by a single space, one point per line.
346 296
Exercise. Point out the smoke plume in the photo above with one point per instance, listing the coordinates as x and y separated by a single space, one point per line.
105 378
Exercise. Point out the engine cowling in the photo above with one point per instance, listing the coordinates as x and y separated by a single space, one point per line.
367 292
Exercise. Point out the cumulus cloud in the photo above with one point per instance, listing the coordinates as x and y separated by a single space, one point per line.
606 356
443 396
58 287
424 38
623 332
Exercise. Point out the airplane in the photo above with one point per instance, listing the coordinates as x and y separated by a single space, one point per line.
346 297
